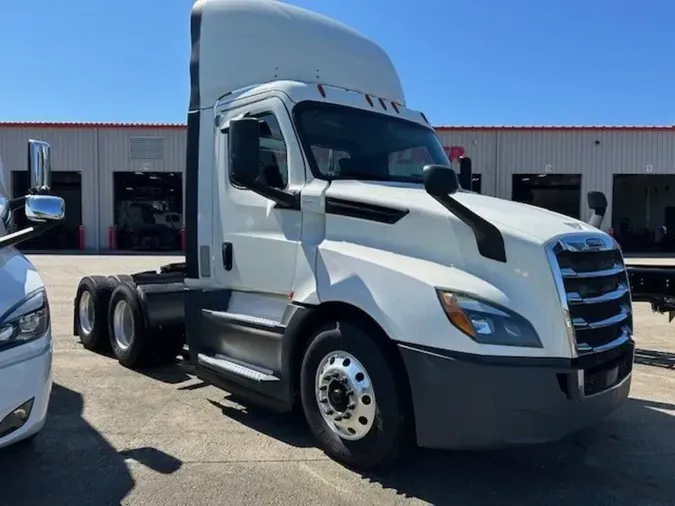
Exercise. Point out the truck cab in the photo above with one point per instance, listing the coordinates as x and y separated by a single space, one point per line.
327 270
336 264
25 325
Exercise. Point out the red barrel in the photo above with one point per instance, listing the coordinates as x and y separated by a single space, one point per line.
80 237
112 237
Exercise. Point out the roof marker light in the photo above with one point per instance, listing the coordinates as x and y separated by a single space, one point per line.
395 106
424 118
384 106
321 90
370 100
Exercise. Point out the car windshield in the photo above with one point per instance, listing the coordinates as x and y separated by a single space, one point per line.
347 143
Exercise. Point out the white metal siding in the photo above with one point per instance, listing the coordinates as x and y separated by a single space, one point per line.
97 153
73 149
504 152
114 156
496 153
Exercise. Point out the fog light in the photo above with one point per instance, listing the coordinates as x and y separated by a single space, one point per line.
16 419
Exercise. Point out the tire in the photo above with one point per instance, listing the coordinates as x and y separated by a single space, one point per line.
91 312
127 328
388 416
121 278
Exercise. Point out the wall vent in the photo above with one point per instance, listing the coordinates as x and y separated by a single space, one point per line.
146 148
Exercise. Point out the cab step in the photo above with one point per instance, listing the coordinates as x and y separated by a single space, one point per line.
220 363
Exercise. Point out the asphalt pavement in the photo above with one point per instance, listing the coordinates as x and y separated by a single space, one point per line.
115 436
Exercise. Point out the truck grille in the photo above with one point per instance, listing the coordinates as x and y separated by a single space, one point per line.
591 277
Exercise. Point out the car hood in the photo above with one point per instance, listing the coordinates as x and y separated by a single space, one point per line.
513 218
18 278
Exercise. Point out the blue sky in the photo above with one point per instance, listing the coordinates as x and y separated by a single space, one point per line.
478 62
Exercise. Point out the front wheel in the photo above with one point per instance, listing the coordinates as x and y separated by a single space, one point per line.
354 402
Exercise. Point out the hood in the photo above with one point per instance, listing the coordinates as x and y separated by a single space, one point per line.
18 278
528 222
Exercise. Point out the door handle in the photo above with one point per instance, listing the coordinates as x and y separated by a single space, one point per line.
227 255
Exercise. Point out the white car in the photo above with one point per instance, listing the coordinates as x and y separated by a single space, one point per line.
25 328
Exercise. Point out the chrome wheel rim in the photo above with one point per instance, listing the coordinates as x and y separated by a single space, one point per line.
345 395
86 312
123 324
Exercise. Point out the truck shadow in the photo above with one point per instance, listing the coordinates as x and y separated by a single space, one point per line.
655 358
71 463
624 462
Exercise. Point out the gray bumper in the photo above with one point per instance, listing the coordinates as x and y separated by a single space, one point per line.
465 402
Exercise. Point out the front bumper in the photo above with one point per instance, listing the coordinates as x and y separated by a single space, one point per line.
471 402
25 374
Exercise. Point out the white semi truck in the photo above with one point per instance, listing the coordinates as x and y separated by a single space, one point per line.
388 303
25 324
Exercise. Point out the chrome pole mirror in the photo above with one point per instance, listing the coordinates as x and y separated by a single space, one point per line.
39 166
45 208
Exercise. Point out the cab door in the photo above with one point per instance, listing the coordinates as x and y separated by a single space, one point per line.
254 244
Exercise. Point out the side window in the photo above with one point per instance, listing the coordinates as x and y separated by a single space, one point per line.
409 162
273 153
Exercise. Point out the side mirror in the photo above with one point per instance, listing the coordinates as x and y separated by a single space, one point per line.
440 180
45 208
597 202
465 172
244 150
39 166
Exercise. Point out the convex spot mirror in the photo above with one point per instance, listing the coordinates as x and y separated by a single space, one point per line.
45 208
39 166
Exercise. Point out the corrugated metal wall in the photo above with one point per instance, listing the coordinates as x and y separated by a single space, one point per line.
595 154
96 153
497 154
114 157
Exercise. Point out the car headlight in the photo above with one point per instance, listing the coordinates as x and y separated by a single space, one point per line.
487 323
26 321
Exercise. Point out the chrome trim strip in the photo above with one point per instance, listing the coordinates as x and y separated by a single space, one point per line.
581 324
569 273
574 297
622 339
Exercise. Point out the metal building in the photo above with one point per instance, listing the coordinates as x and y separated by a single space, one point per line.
94 156
103 169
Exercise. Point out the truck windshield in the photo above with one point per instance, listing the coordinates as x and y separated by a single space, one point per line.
347 143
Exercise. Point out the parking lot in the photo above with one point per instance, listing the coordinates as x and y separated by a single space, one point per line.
115 436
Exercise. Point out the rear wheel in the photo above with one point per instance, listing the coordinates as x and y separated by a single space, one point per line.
91 303
127 329
353 400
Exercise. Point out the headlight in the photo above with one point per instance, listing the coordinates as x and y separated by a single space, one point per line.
26 321
487 323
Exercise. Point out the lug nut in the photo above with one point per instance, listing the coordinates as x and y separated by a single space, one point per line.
351 406
329 412
346 416
338 418
323 388
323 401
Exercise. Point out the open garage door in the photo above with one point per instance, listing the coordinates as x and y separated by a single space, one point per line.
643 212
148 210
68 186
560 193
